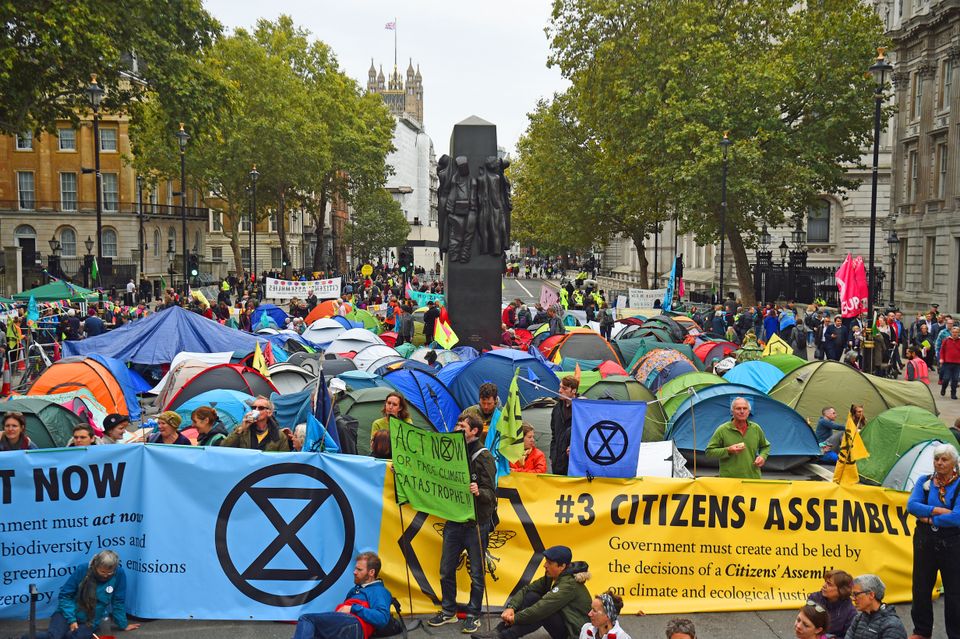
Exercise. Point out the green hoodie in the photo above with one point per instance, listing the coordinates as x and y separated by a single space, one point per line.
567 594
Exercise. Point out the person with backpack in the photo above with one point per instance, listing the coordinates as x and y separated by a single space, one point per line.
606 318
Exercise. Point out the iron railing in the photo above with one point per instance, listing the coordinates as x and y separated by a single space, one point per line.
150 211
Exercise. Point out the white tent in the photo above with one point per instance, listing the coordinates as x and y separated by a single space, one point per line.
290 378
374 356
914 464
324 330
355 339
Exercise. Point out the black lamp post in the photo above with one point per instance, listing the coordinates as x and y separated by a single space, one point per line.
94 96
53 263
893 242
254 175
87 261
724 143
182 137
140 219
171 269
784 249
879 70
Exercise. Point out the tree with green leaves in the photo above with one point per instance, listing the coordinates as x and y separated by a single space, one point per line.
658 82
377 223
48 49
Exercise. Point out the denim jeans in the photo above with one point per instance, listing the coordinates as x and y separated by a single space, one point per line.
60 629
949 374
458 537
328 625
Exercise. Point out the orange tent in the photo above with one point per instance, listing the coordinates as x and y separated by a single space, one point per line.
74 373
326 308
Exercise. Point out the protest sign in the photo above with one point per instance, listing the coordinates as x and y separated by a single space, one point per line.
288 289
605 438
548 296
645 297
431 470
421 299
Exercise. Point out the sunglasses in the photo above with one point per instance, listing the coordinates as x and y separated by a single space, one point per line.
262 407
854 595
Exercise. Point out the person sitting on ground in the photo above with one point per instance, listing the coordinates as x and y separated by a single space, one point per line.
83 435
558 602
259 430
680 628
604 618
168 430
533 460
874 619
114 427
394 405
210 432
489 400
829 432
834 596
92 592
15 433
812 622
365 610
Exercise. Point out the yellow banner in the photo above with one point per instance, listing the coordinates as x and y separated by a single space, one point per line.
669 545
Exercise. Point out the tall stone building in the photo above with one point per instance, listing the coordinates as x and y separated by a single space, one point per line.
926 39
403 99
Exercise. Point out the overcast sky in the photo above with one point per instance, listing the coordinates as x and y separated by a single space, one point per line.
485 59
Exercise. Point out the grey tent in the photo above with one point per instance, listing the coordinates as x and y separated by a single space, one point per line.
914 464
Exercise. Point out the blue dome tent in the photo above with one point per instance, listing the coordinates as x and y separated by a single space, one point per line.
757 374
275 313
497 366
428 394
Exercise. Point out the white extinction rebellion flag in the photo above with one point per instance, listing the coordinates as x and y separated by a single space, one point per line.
287 289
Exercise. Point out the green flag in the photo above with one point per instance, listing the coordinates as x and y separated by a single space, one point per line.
163 284
510 425
431 471
94 271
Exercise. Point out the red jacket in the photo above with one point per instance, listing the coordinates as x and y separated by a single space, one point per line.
950 351
535 462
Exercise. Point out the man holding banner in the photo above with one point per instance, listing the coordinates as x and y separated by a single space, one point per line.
469 536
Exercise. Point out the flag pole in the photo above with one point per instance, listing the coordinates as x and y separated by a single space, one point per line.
403 527
483 572
394 42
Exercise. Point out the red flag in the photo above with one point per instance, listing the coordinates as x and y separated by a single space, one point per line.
852 283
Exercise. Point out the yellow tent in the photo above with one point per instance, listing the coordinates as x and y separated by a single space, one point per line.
777 346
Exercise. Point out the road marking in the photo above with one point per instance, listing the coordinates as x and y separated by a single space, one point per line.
524 288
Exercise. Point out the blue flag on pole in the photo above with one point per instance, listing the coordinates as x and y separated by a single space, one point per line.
605 438
324 423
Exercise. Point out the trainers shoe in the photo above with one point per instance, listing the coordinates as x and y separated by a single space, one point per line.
440 619
470 625
943 391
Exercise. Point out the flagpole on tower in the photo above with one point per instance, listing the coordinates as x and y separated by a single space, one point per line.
394 42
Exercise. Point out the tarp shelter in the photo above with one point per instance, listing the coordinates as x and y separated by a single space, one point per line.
429 395
366 406
56 291
275 313
777 346
785 362
49 425
792 441
353 340
892 433
583 343
158 338
72 373
654 361
323 331
373 356
706 352
230 405
497 366
357 380
290 378
816 385
676 391
914 465
229 376
758 374
621 388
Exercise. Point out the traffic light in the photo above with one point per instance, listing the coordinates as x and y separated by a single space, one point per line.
194 261
404 261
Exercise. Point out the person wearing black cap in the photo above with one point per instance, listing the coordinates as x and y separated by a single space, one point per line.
114 425
558 602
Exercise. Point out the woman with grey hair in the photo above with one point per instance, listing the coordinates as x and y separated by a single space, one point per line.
875 619
87 596
936 542
681 629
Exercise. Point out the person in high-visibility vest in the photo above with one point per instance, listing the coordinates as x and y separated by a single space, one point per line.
564 299
578 299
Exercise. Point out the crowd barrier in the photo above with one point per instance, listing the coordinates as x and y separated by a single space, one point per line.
214 533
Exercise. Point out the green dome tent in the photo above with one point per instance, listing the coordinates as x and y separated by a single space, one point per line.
892 433
49 425
787 362
672 394
622 388
365 405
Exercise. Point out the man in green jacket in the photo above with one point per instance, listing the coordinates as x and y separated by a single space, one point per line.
739 444
558 602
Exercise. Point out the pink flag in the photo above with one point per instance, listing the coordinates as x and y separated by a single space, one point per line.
852 283
407 289
391 26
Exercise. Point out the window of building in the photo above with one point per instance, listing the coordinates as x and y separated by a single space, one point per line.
216 220
68 242
929 259
917 95
818 222
946 84
197 243
24 142
272 223
216 254
67 139
912 176
171 240
169 193
108 140
275 257
902 263
245 223
68 191
157 235
111 191
941 170
26 190
109 243
245 257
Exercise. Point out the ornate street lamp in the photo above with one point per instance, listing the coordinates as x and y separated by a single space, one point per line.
140 219
879 70
784 249
182 137
724 143
254 176
893 243
94 96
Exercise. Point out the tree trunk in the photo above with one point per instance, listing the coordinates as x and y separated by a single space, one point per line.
638 242
318 232
744 273
282 232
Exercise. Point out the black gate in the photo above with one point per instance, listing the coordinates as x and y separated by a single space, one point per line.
804 284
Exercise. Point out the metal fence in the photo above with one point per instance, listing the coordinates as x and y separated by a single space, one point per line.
804 284
150 211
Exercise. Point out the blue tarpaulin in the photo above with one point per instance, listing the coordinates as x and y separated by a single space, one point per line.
157 338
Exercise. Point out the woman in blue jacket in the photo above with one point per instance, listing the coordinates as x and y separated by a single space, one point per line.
91 594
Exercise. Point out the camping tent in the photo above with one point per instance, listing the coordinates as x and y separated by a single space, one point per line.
538 414
913 465
355 380
428 394
708 351
892 433
228 376
276 314
758 374
444 357
355 340
583 344
49 425
621 388
817 384
776 345
659 377
56 291
290 378
373 356
654 361
230 405
634 349
326 308
157 338
674 392
72 373
497 366
179 374
324 331
791 438
366 406
787 362
365 317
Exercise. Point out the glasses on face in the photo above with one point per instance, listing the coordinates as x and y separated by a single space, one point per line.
262 407
813 604
856 593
